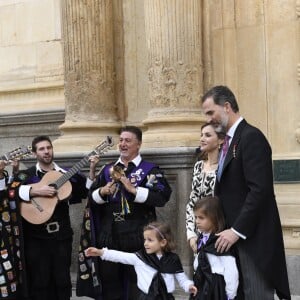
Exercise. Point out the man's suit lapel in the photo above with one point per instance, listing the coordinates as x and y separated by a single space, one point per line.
234 144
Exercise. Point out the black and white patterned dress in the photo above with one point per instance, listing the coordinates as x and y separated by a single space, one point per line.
202 185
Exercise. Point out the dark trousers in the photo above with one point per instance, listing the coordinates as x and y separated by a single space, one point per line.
118 281
48 268
255 285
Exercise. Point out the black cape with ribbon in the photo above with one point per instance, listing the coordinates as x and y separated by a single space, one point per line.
168 263
210 286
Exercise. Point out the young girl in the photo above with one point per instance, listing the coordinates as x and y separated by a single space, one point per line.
155 265
216 274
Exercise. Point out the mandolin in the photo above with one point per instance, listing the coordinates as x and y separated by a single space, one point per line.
40 209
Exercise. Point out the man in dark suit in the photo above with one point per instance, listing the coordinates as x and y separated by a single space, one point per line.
246 192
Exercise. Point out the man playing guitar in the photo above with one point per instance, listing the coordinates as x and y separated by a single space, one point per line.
48 245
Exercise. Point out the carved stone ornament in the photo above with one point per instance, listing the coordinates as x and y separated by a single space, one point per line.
174 88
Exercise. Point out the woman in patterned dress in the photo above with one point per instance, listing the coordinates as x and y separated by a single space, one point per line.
204 175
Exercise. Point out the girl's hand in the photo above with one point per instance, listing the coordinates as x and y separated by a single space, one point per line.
93 251
193 244
193 290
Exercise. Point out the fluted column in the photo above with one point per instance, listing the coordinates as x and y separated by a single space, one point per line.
175 72
91 111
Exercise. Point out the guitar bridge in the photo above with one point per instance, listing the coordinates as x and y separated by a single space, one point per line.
37 205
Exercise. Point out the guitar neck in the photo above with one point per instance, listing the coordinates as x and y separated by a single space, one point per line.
19 152
77 167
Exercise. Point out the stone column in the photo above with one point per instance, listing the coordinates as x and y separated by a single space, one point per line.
91 111
175 72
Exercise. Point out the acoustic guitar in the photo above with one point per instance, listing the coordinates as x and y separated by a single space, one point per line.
40 209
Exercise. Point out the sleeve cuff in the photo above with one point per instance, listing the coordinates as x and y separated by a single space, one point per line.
24 192
238 233
88 183
141 194
97 198
190 235
103 256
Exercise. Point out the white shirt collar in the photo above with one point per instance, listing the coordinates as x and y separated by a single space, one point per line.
207 234
137 160
233 128
55 167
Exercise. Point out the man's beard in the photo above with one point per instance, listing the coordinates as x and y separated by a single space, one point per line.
224 123
47 161
219 128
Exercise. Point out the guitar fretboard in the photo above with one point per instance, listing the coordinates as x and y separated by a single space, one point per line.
78 166
63 179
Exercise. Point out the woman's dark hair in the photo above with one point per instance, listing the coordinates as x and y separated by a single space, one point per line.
133 129
162 231
211 208
202 155
39 139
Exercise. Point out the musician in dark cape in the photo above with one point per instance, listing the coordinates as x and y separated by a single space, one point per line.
216 274
155 264
122 201
12 267
48 245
